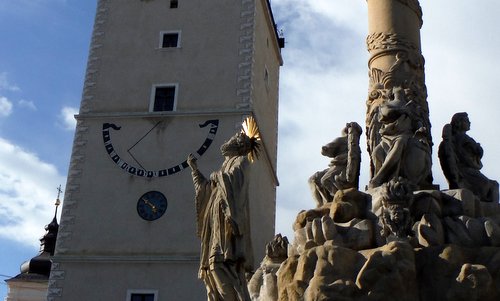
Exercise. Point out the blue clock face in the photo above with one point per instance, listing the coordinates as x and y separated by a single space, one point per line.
152 205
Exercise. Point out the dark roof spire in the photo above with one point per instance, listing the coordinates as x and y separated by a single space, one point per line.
41 263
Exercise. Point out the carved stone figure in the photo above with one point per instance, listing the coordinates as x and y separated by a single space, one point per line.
264 283
460 158
343 170
223 221
473 283
396 218
403 150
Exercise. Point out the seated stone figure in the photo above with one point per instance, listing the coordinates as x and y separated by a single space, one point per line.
343 170
460 158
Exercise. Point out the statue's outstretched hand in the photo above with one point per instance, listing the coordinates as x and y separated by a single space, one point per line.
191 161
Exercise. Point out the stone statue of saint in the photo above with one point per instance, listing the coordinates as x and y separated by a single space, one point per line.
460 158
343 170
223 221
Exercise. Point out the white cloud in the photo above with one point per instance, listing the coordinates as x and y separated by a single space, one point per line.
28 104
27 194
5 106
67 116
6 85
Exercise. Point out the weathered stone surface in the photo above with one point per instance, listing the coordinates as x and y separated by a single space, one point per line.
395 271
425 202
389 273
476 230
435 202
470 203
456 232
440 268
263 286
430 231
349 204
490 209
308 215
286 274
473 283
493 232
339 290
316 273
329 228
356 234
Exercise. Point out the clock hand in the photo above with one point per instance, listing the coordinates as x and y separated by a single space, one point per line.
138 141
153 207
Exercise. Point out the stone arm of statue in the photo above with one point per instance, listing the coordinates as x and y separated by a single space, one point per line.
202 191
201 184
473 153
354 153
191 161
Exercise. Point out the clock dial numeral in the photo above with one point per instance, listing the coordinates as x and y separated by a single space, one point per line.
142 172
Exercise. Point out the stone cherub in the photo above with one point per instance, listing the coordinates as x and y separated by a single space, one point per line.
460 158
223 218
264 283
343 170
396 220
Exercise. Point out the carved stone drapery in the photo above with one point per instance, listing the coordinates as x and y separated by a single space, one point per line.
396 63
460 157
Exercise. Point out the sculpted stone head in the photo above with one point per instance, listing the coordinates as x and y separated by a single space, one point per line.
239 145
460 122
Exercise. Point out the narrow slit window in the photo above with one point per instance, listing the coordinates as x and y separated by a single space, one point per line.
164 99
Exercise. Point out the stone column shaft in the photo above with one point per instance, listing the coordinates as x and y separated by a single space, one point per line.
397 84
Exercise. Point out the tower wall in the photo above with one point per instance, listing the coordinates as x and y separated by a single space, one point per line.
124 149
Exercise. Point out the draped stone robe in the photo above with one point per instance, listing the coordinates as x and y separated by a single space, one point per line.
223 216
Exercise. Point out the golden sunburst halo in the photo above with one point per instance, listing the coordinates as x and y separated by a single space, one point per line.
251 130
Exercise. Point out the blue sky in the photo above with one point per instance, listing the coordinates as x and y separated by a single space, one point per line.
43 52
44 46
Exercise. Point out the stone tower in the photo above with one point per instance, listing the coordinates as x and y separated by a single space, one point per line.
165 78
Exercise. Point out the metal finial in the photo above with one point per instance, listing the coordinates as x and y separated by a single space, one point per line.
58 201
59 191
